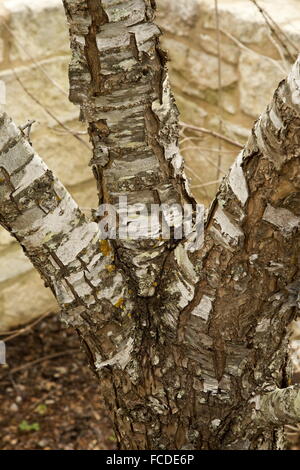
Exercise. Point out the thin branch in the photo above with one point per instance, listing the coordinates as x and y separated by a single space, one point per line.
38 361
247 49
277 32
197 177
49 112
27 328
278 46
38 65
219 86
213 133
206 184
205 158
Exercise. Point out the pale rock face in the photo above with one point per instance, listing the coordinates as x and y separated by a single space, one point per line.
180 15
45 28
21 106
229 51
189 111
258 80
202 69
66 157
24 307
5 239
13 263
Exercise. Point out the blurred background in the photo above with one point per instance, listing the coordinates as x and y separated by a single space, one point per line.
226 60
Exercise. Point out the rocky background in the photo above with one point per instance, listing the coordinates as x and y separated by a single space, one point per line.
221 91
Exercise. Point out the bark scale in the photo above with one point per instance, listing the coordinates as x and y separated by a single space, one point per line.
190 348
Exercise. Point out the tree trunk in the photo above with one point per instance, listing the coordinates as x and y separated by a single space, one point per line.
190 348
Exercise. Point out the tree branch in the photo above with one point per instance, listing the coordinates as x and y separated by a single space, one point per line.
64 247
119 78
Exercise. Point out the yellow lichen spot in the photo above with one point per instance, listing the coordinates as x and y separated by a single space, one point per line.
104 247
154 284
110 268
120 303
2 180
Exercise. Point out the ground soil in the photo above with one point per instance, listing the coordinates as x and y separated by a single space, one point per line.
50 399
51 402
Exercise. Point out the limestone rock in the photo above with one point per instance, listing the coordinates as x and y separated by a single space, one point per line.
13 263
38 28
23 300
229 51
258 80
65 155
5 238
21 107
179 15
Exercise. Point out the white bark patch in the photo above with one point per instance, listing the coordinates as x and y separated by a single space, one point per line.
210 384
253 258
231 234
184 262
16 157
276 120
238 181
204 308
121 359
34 170
79 239
294 83
281 218
8 131
56 222
276 156
263 325
186 291
162 109
79 284
63 293
215 423
115 291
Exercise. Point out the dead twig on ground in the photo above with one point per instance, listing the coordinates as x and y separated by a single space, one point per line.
25 329
38 361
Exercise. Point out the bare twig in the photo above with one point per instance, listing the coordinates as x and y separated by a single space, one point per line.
278 33
25 329
27 127
38 361
219 86
34 60
73 131
203 130
196 176
206 184
205 158
247 49
49 112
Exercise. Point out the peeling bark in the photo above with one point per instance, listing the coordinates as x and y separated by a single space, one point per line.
190 348
119 78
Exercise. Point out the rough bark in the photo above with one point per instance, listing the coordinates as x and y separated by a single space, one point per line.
190 348
119 78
